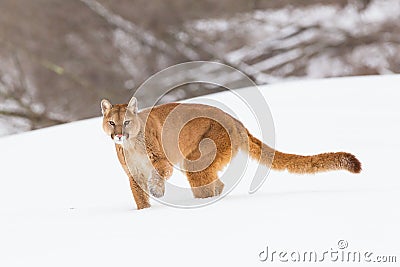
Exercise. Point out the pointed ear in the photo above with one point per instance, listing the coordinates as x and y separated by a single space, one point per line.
105 105
133 105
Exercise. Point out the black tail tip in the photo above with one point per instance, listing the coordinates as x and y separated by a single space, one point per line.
352 163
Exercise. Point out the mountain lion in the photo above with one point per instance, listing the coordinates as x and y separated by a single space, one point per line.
202 139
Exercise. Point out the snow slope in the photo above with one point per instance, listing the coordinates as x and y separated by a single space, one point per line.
65 200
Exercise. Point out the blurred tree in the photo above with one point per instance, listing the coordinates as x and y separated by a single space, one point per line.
58 58
17 99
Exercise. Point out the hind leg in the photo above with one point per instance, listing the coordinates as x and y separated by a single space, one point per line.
205 183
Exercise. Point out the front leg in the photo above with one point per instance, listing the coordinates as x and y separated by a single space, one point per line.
158 159
138 191
138 188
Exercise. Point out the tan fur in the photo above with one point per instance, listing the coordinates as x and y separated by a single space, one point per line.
177 133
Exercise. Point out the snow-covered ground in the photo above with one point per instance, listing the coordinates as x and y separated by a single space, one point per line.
65 200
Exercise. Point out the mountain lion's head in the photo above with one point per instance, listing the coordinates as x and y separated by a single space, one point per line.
120 121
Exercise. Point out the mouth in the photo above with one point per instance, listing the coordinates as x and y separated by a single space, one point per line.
118 142
119 139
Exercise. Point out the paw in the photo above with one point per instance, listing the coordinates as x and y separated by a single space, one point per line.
156 186
157 191
219 187
143 205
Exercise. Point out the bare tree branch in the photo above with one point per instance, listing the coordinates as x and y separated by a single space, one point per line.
23 98
129 27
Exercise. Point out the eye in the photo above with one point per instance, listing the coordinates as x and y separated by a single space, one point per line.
111 123
126 122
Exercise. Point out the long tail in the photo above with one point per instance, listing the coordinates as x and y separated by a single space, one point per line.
301 164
